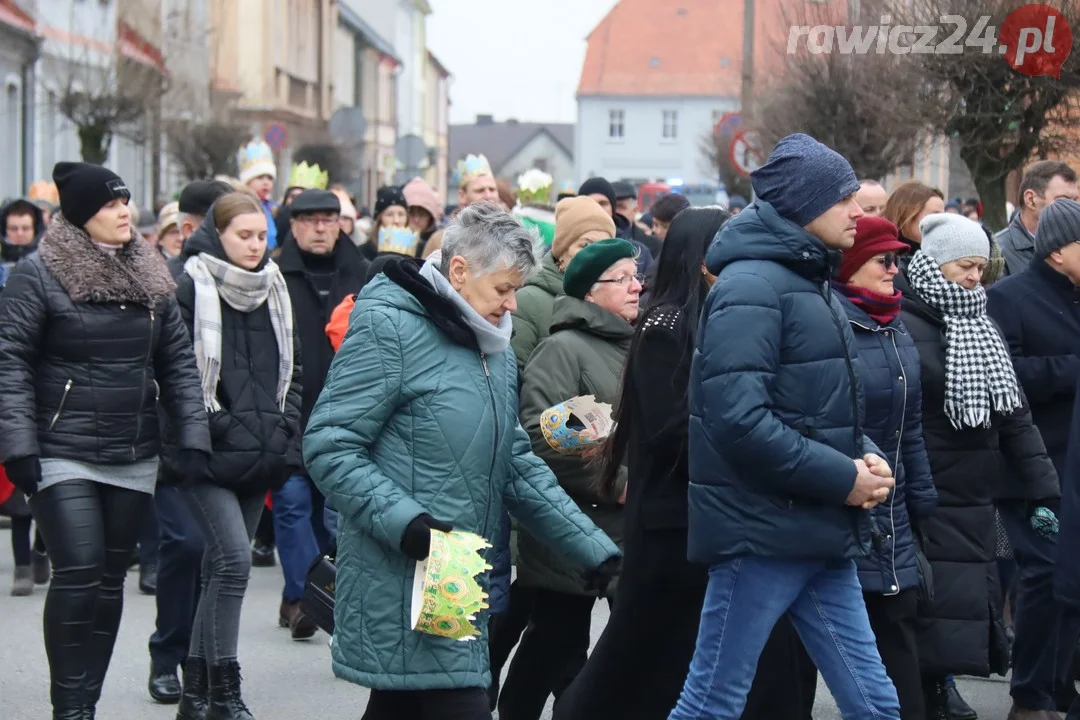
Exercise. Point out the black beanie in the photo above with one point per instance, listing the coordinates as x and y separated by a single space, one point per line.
598 186
388 196
85 188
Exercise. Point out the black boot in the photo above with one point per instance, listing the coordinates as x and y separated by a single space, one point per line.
195 697
225 700
958 707
936 697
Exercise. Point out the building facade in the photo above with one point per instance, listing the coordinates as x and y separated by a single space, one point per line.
512 147
19 43
436 127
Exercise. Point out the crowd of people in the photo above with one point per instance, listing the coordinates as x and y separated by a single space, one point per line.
846 438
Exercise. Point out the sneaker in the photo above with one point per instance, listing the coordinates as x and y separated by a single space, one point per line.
23 584
39 562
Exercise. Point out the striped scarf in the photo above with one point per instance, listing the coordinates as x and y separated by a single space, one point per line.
244 291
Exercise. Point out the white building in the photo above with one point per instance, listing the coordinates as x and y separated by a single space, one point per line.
656 78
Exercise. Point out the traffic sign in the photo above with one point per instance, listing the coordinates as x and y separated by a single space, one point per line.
745 152
276 136
728 124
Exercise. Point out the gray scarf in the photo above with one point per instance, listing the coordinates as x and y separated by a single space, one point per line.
493 339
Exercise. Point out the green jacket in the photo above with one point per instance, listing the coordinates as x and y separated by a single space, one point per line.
532 320
411 422
583 356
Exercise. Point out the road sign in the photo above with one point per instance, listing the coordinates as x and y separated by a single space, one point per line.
728 124
276 136
745 152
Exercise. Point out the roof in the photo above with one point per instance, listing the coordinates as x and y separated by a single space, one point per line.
13 15
672 48
438 65
352 20
501 141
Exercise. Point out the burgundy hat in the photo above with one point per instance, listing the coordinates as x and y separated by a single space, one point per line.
873 236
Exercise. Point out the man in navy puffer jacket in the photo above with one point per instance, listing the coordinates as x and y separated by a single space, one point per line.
781 473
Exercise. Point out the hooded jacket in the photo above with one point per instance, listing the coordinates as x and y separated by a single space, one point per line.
251 437
89 345
414 419
775 405
535 304
583 356
10 254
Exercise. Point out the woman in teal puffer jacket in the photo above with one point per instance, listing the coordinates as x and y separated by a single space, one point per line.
417 429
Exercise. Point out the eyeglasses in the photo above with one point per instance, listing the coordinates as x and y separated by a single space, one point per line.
317 219
888 260
625 279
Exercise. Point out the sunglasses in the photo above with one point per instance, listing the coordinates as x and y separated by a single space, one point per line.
888 260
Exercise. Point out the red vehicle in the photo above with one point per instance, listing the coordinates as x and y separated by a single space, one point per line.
650 192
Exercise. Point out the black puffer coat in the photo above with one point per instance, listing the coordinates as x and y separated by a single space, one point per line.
252 438
88 345
972 469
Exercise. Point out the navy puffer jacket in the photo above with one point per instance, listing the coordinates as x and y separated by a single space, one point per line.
774 401
888 370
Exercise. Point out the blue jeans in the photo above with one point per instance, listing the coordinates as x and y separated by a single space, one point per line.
745 598
294 532
1046 630
179 558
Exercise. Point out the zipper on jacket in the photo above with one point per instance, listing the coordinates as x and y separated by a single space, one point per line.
494 445
142 387
63 399
896 460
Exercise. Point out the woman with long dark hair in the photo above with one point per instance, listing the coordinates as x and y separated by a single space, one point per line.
638 667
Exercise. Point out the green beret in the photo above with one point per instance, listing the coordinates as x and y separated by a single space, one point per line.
591 262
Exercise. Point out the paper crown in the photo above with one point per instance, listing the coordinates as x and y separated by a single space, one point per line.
44 190
309 177
472 166
576 425
446 596
255 159
397 240
534 186
567 188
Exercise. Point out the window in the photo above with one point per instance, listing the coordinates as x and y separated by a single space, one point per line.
671 125
616 124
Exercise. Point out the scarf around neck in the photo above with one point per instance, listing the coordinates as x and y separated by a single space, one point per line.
492 339
979 374
244 291
882 309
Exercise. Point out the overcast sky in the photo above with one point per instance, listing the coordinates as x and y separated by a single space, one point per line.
486 46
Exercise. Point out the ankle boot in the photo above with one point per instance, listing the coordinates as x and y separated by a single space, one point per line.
195 696
936 696
225 700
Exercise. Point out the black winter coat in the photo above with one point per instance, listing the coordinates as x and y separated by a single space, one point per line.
253 440
888 368
1039 313
972 468
347 269
88 345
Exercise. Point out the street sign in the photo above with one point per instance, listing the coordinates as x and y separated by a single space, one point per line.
348 125
276 136
745 152
728 124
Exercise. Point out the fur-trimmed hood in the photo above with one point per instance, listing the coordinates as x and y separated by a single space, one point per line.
137 273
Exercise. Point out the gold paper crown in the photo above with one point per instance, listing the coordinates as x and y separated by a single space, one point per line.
397 240
309 177
472 166
255 160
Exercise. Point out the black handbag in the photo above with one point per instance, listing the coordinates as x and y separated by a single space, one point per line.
318 600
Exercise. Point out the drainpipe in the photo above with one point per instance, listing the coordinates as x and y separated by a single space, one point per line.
29 115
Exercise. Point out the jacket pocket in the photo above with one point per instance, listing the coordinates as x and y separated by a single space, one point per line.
60 407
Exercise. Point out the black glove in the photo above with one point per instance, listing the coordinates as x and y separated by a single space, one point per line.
598 579
24 473
191 465
416 542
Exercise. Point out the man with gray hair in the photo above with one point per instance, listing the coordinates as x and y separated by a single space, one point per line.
417 431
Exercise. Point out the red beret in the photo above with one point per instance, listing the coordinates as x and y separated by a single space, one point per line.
873 236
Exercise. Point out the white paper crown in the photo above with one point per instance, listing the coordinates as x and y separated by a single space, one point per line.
255 159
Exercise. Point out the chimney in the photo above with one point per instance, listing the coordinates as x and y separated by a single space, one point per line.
485 120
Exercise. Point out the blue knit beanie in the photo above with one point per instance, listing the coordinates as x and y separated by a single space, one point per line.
803 178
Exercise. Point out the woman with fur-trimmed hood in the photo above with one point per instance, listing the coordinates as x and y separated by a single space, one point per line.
91 340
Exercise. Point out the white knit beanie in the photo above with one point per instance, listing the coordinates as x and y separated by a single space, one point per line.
947 237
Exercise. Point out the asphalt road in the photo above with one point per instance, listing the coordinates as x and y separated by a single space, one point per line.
283 679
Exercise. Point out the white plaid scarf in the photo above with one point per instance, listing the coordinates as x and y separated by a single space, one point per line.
244 291
979 374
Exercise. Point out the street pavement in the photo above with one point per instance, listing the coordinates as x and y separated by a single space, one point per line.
283 679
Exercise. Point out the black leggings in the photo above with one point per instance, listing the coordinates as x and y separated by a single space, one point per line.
458 704
91 531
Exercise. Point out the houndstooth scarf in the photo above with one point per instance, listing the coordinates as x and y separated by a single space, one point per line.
244 291
979 375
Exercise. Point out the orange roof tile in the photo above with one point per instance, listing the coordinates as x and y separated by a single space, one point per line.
673 47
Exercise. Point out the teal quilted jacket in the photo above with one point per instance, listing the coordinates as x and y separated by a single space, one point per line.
411 422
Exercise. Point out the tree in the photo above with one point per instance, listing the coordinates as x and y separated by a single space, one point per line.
1000 118
337 160
205 148
868 107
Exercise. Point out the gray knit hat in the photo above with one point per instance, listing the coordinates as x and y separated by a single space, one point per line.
1059 225
947 237
802 179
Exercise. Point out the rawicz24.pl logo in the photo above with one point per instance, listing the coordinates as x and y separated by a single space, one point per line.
1034 39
